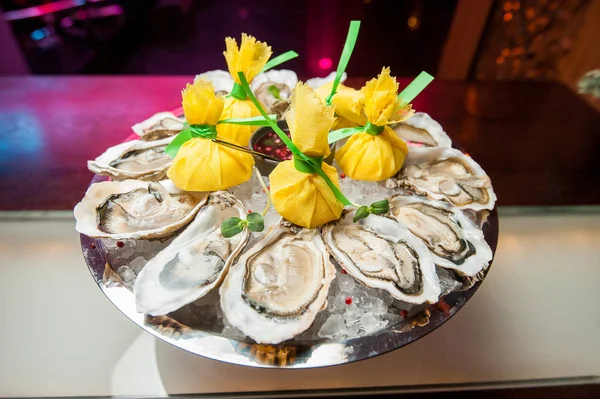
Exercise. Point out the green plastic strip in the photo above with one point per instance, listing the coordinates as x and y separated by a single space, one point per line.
254 121
310 166
339 134
373 130
415 87
173 147
238 92
288 142
280 59
210 132
345 57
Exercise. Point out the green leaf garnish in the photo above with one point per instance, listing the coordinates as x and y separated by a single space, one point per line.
232 227
274 91
380 207
255 222
361 213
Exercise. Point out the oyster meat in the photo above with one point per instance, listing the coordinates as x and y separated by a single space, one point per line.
381 253
277 287
274 88
446 174
421 130
453 239
195 262
136 159
134 209
158 126
221 80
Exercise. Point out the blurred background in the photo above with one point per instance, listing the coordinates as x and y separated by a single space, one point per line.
452 39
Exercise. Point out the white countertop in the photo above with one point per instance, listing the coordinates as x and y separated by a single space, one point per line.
535 316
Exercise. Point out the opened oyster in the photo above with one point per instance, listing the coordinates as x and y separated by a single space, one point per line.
278 286
134 209
136 159
453 239
274 88
315 83
381 253
446 174
421 130
195 262
158 126
221 80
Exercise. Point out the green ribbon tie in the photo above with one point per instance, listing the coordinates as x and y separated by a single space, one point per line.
345 57
373 130
415 87
238 92
307 164
203 131
210 132
280 59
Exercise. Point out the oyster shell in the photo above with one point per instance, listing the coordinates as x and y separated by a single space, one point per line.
446 174
158 126
453 239
278 286
195 262
134 209
221 80
381 253
421 130
283 82
315 83
136 159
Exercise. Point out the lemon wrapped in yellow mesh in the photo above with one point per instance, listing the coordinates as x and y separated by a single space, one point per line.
348 104
249 58
303 198
200 163
377 153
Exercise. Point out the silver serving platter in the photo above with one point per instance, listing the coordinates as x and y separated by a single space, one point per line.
182 331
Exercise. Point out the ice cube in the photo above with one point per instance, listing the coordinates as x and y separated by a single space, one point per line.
126 274
345 282
376 306
369 323
387 298
137 264
334 327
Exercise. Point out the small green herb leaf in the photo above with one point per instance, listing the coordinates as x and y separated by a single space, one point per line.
361 213
274 91
255 222
380 207
232 227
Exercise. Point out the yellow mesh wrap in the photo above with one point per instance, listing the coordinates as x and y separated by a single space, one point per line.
200 164
249 58
200 106
348 104
309 121
374 158
369 157
203 165
235 108
305 199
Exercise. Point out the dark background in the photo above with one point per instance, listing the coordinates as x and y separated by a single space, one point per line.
187 37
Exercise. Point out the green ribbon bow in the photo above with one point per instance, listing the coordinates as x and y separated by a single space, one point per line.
302 162
210 131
